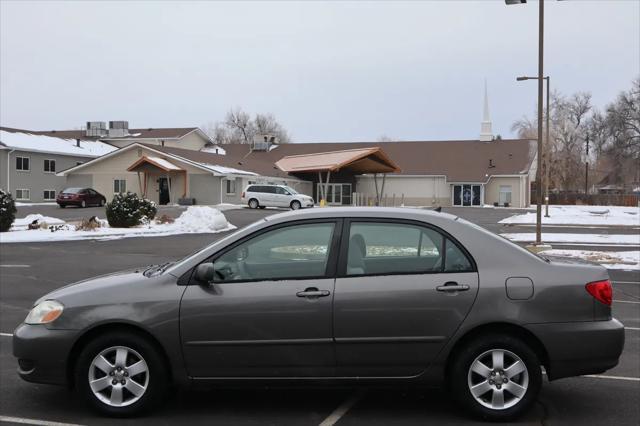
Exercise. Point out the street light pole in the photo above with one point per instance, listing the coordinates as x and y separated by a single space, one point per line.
586 171
540 93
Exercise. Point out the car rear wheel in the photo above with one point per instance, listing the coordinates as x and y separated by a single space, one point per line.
295 205
496 377
253 203
121 374
62 206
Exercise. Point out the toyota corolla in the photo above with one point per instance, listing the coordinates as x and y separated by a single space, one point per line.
340 295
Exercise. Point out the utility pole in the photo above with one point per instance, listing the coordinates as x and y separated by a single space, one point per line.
586 171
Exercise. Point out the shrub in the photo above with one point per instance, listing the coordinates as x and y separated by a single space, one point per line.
7 211
127 210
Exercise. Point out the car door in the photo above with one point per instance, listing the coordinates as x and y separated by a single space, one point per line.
402 290
282 197
94 198
267 312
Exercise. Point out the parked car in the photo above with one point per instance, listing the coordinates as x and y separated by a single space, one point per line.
261 196
342 296
81 197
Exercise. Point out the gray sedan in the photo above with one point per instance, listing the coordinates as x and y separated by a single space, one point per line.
340 296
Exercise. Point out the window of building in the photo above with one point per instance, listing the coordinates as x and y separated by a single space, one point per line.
23 194
119 186
22 164
230 186
292 252
50 166
49 194
467 195
505 194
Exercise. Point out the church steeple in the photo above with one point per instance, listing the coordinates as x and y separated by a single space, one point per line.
485 127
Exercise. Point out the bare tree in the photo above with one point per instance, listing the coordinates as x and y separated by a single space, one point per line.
240 125
266 124
385 138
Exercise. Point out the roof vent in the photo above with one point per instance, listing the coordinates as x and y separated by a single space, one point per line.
491 165
118 129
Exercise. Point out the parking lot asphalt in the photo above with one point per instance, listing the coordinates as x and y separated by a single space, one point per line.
30 270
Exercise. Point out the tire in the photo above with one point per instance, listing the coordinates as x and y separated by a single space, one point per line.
253 203
107 350
62 206
525 385
295 205
83 204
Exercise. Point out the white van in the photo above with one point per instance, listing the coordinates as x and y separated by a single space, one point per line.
264 195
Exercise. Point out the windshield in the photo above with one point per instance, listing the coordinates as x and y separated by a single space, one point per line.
72 190
291 190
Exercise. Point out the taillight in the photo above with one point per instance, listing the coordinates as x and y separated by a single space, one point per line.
601 291
242 194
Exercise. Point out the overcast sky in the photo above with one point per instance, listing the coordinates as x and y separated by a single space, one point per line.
328 70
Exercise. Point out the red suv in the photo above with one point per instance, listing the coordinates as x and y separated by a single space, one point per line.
81 197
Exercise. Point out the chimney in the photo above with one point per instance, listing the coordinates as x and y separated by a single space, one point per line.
78 143
486 133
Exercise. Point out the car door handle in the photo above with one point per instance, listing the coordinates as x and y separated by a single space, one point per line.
313 292
452 286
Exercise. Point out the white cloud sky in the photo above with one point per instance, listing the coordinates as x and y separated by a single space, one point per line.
329 71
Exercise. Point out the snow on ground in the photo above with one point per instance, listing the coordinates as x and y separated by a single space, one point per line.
604 239
21 204
582 215
25 221
196 219
608 259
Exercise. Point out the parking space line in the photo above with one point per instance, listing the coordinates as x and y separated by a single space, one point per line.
15 266
6 335
632 328
598 376
339 412
626 282
626 301
24 421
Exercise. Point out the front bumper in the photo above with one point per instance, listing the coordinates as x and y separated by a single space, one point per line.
42 353
577 348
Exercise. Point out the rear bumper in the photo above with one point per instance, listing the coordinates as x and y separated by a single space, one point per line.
577 348
42 353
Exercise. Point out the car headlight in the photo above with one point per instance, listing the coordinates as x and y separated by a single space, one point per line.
45 312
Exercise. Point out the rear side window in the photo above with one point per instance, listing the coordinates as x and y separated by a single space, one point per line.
399 248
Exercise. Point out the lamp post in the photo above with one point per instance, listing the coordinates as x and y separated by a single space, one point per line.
547 150
540 92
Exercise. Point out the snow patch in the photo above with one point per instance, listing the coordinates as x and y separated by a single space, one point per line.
201 219
608 239
582 215
28 219
608 259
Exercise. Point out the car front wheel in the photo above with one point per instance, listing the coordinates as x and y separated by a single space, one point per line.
295 205
496 377
121 374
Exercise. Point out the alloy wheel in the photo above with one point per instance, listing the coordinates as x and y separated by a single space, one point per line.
498 379
118 376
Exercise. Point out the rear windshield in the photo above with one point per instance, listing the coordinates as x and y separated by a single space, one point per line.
72 190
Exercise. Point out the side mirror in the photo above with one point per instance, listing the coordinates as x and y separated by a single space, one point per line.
204 273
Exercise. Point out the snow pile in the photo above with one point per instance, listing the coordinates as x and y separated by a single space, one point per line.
600 239
196 219
25 221
582 215
201 219
609 259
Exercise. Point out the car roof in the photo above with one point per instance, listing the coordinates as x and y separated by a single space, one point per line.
375 212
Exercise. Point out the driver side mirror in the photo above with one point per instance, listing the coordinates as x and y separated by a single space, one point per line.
204 273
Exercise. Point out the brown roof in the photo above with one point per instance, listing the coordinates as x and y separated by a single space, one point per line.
151 133
359 160
460 161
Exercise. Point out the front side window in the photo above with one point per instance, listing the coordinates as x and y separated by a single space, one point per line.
50 166
280 191
119 186
49 194
292 252
23 194
398 248
22 164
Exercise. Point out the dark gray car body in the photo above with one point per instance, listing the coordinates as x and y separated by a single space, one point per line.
376 328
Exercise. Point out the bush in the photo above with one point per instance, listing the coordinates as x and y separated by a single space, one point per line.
7 211
127 210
